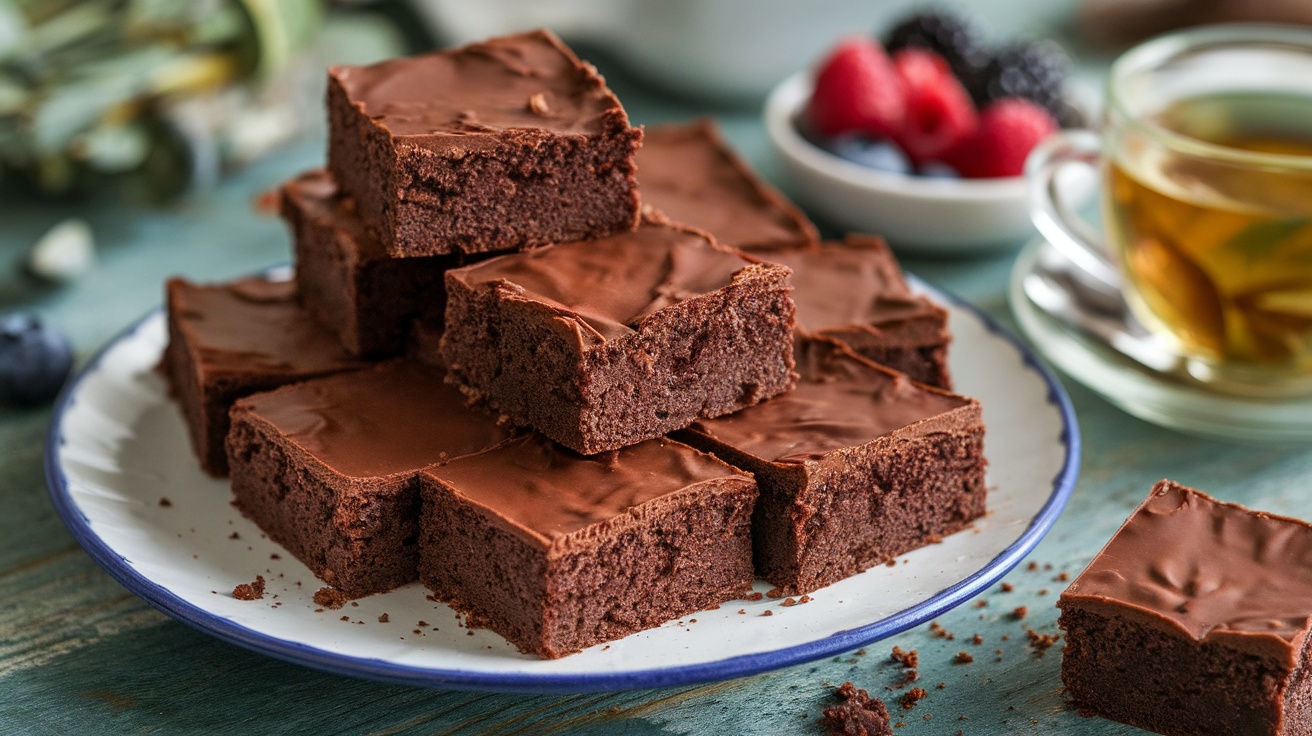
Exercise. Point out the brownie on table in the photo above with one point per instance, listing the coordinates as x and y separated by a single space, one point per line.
1194 619
854 292
230 340
604 343
346 278
687 174
505 144
329 468
856 465
557 552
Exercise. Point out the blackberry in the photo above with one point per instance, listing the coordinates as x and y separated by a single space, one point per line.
960 42
1033 70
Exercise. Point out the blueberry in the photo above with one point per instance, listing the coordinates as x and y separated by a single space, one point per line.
938 170
34 360
871 152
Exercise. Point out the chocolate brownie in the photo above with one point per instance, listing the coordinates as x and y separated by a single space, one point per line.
329 468
604 343
505 144
854 292
230 340
1194 619
856 465
687 174
345 276
557 552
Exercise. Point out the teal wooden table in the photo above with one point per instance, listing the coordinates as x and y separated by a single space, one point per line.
81 655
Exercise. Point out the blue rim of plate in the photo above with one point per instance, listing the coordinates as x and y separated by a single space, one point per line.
723 669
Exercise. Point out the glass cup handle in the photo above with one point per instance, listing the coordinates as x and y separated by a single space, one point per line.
1069 233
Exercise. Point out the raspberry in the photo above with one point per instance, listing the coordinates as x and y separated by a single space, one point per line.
1008 130
856 90
939 114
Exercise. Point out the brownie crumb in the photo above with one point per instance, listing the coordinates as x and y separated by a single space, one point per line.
754 596
891 563
963 658
909 660
1043 591
1063 577
857 714
774 593
330 597
981 603
1020 612
768 613
789 602
234 535
805 599
977 640
941 685
383 618
1032 566
165 502
936 629
1006 637
252 591
1008 587
1040 642
742 610
913 696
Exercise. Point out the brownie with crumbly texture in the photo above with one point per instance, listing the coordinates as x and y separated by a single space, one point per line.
1194 619
345 276
329 468
855 292
687 174
604 343
856 714
233 339
504 144
856 465
558 552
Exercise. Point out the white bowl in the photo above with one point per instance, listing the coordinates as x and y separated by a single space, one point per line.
914 213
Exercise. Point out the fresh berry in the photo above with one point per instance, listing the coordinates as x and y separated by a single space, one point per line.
875 153
1008 130
1033 70
939 113
961 43
937 170
856 90
34 360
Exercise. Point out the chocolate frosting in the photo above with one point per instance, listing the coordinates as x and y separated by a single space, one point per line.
607 287
857 283
525 81
397 417
841 401
254 326
688 174
551 492
1213 571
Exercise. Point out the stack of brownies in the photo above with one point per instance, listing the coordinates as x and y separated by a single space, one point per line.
576 382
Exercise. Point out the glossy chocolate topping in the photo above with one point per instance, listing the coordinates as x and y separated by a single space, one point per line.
688 174
841 401
1216 571
550 492
525 81
253 326
392 418
609 285
854 283
316 195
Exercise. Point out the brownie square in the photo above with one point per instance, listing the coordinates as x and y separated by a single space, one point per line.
505 144
329 468
604 343
1194 619
345 276
230 340
854 292
557 552
855 465
687 174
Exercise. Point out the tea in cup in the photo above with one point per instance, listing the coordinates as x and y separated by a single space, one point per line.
1206 166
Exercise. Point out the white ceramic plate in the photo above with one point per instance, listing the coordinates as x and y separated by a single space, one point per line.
118 446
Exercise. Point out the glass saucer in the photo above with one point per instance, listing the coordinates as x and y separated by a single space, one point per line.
1161 397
